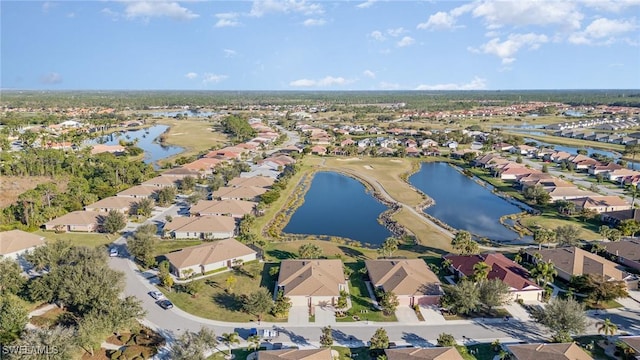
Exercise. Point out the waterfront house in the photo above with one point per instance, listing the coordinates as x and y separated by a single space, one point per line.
410 280
210 256
201 227
603 168
568 193
432 353
540 351
601 204
14 243
234 208
81 221
502 268
102 148
619 174
312 282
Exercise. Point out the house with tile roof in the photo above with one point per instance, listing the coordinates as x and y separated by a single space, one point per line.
601 204
312 282
434 353
210 256
296 354
201 227
247 193
234 208
118 203
257 181
502 268
410 280
573 261
562 351
627 252
633 342
14 243
568 193
139 192
161 182
80 221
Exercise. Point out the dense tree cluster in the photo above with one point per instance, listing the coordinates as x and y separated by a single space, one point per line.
238 127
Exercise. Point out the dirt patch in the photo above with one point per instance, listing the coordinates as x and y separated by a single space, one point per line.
368 167
395 160
349 159
12 186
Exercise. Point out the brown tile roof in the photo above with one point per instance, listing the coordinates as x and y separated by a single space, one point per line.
633 341
77 218
564 351
575 261
181 172
202 224
203 164
208 253
311 277
244 192
258 181
160 180
436 353
569 191
591 202
403 276
139 190
295 354
100 148
17 240
503 268
629 249
112 202
222 207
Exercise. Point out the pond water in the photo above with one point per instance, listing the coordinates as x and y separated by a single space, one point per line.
147 141
338 205
462 203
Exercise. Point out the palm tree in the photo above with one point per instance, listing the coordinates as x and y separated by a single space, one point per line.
446 264
544 272
230 339
254 342
480 271
607 327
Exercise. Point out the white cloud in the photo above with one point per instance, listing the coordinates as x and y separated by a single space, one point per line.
369 74
406 41
263 7
110 13
439 21
365 5
610 5
149 9
324 82
227 20
497 13
51 78
71 15
229 53
507 49
314 22
377 35
602 31
396 32
213 78
191 75
477 83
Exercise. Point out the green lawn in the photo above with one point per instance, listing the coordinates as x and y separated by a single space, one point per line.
552 219
86 239
480 352
361 303
167 246
213 302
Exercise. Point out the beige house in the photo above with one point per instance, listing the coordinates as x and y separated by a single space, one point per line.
568 193
118 203
563 351
296 354
627 252
139 192
633 342
14 243
434 353
257 181
202 227
410 279
248 193
81 221
601 203
573 261
219 254
161 182
312 282
234 208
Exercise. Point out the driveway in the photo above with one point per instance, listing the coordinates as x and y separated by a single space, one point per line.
406 315
298 315
324 316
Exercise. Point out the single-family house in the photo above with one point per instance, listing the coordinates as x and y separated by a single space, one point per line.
118 203
633 342
161 182
568 193
319 150
139 192
601 204
102 148
210 256
573 261
615 217
296 354
540 351
619 174
234 208
559 156
428 143
14 243
258 181
312 282
502 147
178 173
201 227
248 193
81 221
502 268
626 252
414 353
524 150
204 166
410 280
603 168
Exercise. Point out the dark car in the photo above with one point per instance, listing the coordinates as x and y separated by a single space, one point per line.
165 304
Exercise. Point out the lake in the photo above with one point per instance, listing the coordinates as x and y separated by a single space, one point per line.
338 205
147 141
462 203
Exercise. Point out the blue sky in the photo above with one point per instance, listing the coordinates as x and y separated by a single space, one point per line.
320 45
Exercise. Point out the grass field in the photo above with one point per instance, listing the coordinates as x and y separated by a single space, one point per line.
12 186
79 238
194 135
167 246
548 220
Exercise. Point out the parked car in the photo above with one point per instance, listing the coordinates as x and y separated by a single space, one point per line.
156 295
113 252
165 304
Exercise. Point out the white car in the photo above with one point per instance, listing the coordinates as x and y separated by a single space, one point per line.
113 252
156 295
